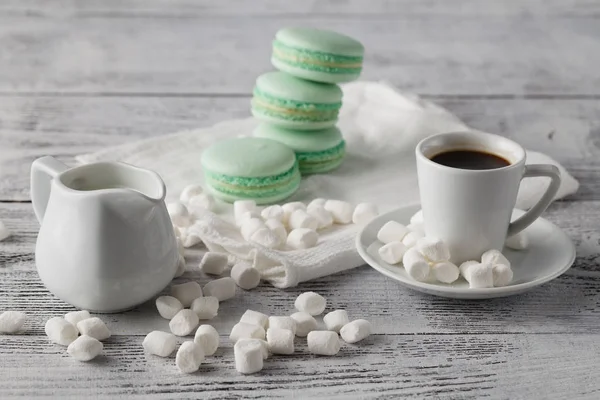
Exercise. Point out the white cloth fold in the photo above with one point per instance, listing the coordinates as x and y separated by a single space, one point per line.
381 126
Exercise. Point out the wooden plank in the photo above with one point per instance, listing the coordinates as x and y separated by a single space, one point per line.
399 366
345 8
566 305
431 54
66 126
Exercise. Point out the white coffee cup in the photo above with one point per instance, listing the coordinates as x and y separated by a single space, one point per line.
471 209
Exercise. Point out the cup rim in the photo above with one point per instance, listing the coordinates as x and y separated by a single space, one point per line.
472 135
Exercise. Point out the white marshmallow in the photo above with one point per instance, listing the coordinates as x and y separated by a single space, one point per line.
60 331
323 217
75 316
245 276
272 212
266 238
356 330
190 238
190 191
316 203
283 323
168 306
289 208
281 341
301 219
159 343
479 275
264 346
493 257
180 266
4 232
392 252
94 327
12 321
302 238
223 288
179 214
243 206
189 357
417 218
364 213
445 272
246 216
250 226
186 292
85 348
520 241
310 302
416 265
305 323
463 268
341 211
248 356
205 307
278 229
502 275
184 322
411 238
214 263
200 204
255 318
392 231
325 343
417 228
335 320
433 249
243 330
207 337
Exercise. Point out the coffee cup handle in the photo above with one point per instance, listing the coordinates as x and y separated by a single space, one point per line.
536 170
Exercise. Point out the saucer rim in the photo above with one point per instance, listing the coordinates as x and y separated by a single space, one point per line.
453 292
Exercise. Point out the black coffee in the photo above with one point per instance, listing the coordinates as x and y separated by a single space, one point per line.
470 159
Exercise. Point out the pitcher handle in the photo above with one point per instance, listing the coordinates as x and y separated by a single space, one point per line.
534 170
43 171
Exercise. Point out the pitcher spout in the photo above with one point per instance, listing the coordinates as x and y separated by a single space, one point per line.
111 176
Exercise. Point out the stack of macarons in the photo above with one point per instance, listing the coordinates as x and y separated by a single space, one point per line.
299 104
298 108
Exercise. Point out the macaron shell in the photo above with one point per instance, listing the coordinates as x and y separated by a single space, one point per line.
248 157
320 40
317 76
299 125
287 87
301 141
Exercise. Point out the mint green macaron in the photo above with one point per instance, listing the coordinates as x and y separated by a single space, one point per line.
317 55
317 151
294 103
258 169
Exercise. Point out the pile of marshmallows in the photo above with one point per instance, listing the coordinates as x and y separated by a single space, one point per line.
255 336
65 331
291 226
428 259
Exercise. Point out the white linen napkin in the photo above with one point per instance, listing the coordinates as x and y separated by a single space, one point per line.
381 126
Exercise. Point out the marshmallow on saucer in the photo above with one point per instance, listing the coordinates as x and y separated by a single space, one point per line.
364 213
433 249
519 241
392 231
416 266
392 252
445 272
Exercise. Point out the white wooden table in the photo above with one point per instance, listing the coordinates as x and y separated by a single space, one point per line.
78 76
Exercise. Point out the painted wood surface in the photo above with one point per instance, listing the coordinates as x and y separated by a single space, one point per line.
76 77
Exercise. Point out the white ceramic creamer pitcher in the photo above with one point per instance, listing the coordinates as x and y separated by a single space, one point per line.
106 241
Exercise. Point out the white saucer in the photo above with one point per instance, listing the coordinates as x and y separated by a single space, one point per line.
549 255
